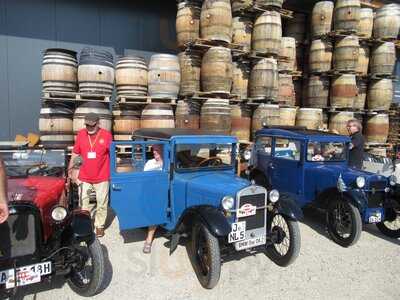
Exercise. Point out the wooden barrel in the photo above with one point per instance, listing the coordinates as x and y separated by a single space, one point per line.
311 118
241 75
338 121
359 102
242 27
320 56
96 71
287 116
366 22
216 70
264 79
240 5
190 65
164 77
343 91
59 70
321 20
157 115
101 109
383 59
187 114
187 23
377 129
317 92
241 122
276 3
380 94
345 56
267 33
286 90
216 116
287 54
131 76
347 15
363 59
216 20
56 126
125 121
265 114
387 22
296 27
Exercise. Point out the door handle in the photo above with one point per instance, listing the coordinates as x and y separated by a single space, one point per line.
116 187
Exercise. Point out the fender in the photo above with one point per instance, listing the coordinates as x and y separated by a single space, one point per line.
357 198
81 227
288 207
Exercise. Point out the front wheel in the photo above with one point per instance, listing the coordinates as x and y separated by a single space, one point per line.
287 240
204 254
391 226
86 278
344 222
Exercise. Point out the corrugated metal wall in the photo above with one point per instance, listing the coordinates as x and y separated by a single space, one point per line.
28 27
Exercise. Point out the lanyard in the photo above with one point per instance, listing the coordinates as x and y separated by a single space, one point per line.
94 143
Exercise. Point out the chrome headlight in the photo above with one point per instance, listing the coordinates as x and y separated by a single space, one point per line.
247 154
360 181
58 213
227 202
274 196
392 180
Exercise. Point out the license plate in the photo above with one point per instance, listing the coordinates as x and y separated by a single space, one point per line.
250 243
238 232
246 210
25 275
376 218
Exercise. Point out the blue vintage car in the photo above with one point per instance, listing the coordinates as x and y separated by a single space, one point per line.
311 167
197 194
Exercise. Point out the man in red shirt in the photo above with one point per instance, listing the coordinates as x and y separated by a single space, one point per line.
93 145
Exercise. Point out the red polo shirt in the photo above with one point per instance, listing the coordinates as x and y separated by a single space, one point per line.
94 169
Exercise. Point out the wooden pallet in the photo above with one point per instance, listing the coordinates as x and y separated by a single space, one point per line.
261 55
375 111
143 100
368 4
211 95
378 145
258 101
382 76
256 9
202 45
74 96
333 109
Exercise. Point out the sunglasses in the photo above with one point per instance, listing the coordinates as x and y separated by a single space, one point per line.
90 126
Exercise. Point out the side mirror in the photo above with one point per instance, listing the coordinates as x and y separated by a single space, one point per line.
77 162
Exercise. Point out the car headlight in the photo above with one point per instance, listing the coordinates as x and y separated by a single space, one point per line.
247 154
58 213
392 180
274 196
227 202
360 181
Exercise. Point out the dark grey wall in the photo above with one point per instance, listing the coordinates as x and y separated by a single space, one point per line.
28 27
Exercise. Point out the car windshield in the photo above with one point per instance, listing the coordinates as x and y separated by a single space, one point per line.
34 162
214 156
326 151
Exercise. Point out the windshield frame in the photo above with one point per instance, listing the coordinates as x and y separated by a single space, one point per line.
345 149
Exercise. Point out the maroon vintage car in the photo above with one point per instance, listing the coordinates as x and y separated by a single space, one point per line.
46 234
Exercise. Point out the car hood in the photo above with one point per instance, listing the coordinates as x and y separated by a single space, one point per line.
208 188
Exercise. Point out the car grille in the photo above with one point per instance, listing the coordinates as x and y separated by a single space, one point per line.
258 220
18 235
377 185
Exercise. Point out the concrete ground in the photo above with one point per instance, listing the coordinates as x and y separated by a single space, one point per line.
324 270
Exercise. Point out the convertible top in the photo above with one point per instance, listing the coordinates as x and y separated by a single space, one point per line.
168 133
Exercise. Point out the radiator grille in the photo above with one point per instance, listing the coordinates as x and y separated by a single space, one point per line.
258 220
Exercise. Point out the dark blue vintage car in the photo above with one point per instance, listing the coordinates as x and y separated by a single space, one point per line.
311 167
197 194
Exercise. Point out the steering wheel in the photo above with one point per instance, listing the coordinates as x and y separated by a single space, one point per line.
217 161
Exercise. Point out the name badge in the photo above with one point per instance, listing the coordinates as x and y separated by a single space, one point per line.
91 155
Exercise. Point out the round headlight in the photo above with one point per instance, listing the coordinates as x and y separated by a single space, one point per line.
392 180
274 196
58 213
247 154
227 202
360 181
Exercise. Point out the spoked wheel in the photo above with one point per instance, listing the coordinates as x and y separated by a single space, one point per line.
391 226
204 254
86 278
287 241
344 222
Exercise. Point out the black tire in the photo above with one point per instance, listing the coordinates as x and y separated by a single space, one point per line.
205 256
287 249
344 222
390 228
95 271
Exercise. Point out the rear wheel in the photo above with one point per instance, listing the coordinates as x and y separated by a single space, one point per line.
204 254
286 247
344 222
86 278
391 226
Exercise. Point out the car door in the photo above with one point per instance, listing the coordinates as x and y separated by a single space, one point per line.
286 165
139 198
